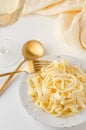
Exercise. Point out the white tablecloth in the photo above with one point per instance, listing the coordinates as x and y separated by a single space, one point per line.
12 114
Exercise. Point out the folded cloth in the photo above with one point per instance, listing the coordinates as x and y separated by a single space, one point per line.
71 25
32 6
71 28
63 6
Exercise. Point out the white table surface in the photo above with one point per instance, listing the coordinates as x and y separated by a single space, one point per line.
12 114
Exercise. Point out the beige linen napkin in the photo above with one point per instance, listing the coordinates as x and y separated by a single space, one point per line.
71 25
32 6
63 6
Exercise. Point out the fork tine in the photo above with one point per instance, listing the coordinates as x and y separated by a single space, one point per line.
41 61
38 64
37 69
41 65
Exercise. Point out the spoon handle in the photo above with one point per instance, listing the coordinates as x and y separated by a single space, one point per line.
4 86
14 72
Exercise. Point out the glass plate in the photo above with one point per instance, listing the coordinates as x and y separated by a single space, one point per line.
42 116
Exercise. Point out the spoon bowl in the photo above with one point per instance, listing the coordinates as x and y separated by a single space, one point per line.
32 50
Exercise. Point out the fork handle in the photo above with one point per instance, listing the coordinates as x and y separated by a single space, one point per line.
14 72
5 85
29 67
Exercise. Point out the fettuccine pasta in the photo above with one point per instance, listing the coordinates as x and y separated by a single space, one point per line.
59 89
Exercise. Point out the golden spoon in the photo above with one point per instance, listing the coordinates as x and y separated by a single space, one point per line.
31 50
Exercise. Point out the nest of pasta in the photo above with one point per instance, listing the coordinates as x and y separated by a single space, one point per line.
59 89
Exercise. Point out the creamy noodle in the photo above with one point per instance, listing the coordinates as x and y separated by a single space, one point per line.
59 89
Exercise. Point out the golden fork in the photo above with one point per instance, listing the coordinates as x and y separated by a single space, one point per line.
31 67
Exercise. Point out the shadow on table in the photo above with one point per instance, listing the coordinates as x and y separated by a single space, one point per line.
80 127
